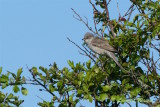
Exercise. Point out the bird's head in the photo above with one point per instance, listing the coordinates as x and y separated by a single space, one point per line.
88 37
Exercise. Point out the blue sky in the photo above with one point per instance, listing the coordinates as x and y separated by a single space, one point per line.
34 32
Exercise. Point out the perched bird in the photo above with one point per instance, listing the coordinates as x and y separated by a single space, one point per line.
100 46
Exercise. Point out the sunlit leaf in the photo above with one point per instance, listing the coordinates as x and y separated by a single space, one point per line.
24 91
15 88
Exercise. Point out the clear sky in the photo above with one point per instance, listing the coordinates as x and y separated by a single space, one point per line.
34 32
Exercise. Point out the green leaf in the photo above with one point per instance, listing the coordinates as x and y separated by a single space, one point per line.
97 70
124 81
85 88
135 92
158 106
118 98
79 83
4 79
113 97
123 99
35 71
43 69
4 85
13 75
131 24
91 84
23 79
62 105
2 96
128 86
125 64
113 65
59 84
10 96
19 72
79 92
70 89
88 64
71 64
103 96
135 18
97 97
15 88
124 54
0 70
87 77
71 97
137 58
51 88
106 88
24 91
90 99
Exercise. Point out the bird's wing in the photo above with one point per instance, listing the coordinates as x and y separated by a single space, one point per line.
102 43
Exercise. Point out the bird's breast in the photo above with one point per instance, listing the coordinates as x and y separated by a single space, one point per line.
97 50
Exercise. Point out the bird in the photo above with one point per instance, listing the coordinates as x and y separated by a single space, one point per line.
101 46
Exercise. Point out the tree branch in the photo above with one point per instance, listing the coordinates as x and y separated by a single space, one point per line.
108 19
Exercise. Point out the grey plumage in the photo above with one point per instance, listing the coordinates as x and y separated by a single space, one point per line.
101 47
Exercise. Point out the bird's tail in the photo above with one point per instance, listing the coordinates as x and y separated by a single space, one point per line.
115 60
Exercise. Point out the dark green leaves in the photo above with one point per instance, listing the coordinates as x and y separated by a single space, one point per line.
4 78
9 100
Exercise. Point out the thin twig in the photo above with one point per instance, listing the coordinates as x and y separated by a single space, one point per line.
30 70
95 10
81 19
130 13
108 2
118 11
127 13
108 19
155 47
82 50
93 6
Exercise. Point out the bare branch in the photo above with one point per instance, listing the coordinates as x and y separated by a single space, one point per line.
95 26
155 47
108 18
118 11
95 9
83 50
44 86
108 2
127 13
130 13
81 19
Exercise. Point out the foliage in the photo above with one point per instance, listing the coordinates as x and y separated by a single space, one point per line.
100 80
